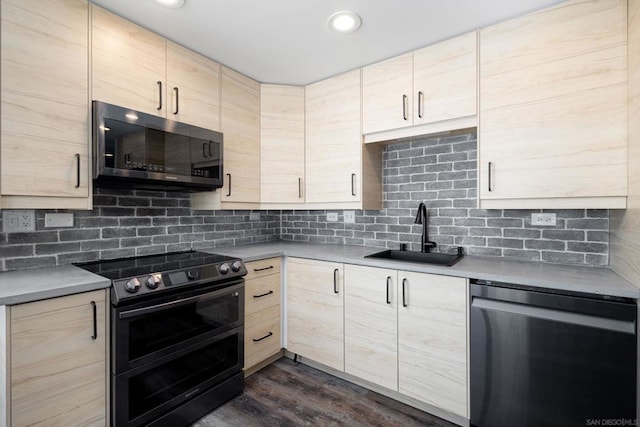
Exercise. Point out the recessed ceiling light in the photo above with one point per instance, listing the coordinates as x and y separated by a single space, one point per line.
344 22
174 4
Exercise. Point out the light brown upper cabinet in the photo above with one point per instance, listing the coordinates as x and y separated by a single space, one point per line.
553 129
45 122
433 84
193 83
138 69
128 64
338 169
241 127
282 144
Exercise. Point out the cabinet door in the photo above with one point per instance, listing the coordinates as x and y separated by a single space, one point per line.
193 84
282 144
387 94
241 128
45 129
58 370
445 80
334 141
128 64
432 340
553 110
371 325
315 317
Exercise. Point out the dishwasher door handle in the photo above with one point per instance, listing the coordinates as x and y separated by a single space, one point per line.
579 319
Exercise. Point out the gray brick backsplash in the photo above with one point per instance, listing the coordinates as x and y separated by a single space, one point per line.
125 223
442 172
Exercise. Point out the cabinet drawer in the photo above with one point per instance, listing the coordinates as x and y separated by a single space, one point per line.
262 336
261 293
263 267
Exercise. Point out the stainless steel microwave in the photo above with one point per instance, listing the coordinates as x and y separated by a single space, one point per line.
138 150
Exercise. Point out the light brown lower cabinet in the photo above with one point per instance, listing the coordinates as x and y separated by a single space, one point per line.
262 338
403 331
315 311
55 361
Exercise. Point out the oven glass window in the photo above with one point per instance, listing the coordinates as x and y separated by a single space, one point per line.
176 324
159 385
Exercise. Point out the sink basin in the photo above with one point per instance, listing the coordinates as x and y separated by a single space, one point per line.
446 260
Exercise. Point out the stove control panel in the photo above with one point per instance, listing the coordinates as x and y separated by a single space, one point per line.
134 287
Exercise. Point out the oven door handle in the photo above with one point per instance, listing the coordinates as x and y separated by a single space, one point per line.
184 301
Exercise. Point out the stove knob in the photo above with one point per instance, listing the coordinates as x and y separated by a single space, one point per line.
236 266
192 275
224 268
132 285
153 281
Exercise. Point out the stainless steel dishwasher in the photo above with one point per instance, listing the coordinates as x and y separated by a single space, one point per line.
551 359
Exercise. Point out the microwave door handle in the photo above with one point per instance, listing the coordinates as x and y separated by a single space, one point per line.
178 303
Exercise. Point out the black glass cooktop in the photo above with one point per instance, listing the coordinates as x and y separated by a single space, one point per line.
144 265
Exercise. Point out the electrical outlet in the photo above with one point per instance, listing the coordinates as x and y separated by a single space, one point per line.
545 219
14 221
254 216
58 220
349 216
332 216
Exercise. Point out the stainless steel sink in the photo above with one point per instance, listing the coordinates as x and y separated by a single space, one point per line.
446 260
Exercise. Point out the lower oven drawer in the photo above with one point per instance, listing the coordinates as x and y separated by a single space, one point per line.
142 394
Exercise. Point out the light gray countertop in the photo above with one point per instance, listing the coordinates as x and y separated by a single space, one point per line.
20 286
592 280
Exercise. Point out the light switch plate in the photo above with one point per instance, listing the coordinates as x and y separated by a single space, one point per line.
332 216
58 220
254 216
17 221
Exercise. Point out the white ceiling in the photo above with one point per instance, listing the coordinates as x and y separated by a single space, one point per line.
288 41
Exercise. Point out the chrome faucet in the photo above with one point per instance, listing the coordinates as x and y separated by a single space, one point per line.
423 218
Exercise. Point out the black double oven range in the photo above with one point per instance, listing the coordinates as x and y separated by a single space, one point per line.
177 335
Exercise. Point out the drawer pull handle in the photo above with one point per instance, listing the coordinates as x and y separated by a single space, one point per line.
263 338
489 176
263 295
175 89
77 170
420 101
335 281
264 268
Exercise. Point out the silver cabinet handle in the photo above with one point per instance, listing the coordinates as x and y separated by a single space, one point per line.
160 98
353 184
95 320
175 89
404 107
388 289
335 280
300 188
420 101
489 176
77 170
404 293
229 176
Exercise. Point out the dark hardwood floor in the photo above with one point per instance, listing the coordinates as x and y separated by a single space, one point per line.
290 394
